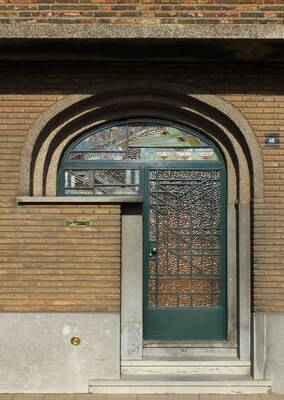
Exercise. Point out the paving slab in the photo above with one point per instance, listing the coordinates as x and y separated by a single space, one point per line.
90 397
120 397
244 397
214 397
152 397
59 397
145 397
183 397
27 397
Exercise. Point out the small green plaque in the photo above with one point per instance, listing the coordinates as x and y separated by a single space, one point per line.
76 223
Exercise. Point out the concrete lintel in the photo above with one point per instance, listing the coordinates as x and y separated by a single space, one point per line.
78 199
127 31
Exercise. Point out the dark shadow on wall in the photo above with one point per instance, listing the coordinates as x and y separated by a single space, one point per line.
212 66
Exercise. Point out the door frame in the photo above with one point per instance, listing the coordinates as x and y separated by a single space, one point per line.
190 166
132 343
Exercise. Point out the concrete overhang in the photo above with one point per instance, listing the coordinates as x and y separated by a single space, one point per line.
135 31
141 43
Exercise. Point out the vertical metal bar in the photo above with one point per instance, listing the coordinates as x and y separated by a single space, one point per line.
212 232
167 243
178 215
93 176
157 239
127 141
202 222
190 236
223 232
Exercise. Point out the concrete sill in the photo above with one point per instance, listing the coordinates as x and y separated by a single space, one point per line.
78 199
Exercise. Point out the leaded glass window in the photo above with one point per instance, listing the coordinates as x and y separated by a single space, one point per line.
108 161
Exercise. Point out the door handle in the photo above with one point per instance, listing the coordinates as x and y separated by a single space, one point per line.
153 252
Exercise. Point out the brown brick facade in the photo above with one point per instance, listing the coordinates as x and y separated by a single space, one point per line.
143 11
266 115
46 266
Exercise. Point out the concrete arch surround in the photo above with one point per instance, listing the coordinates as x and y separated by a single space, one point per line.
210 114
210 107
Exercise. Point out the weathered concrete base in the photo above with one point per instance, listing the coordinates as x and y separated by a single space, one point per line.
259 345
131 341
275 351
37 356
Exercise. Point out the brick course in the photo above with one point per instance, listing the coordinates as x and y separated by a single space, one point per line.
143 11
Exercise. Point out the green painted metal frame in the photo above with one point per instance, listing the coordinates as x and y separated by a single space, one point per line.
188 331
96 164
187 323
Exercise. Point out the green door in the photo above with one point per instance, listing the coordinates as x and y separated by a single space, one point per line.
184 248
180 174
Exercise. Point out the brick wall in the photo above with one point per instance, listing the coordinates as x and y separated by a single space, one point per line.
42 261
266 115
143 11
45 265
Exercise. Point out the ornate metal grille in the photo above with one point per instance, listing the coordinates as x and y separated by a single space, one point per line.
185 228
107 181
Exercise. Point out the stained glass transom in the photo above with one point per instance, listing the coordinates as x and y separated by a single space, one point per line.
185 227
142 141
109 161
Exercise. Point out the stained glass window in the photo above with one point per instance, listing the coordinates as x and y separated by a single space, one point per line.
142 141
90 165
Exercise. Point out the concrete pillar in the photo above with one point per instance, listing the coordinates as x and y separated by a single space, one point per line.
132 287
244 282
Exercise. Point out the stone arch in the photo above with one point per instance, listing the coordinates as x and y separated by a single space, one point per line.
114 100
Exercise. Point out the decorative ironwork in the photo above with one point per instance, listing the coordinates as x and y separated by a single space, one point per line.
102 181
185 227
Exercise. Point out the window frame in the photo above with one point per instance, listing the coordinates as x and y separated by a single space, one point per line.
66 164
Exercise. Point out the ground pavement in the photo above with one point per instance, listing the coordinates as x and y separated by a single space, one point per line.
138 397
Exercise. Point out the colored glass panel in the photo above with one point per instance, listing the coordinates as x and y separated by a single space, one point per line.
142 141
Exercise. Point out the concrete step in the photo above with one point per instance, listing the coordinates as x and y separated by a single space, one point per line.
185 367
173 384
174 350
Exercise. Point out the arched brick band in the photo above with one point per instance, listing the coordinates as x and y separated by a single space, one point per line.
117 100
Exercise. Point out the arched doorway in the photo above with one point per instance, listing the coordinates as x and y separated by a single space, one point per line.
181 177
